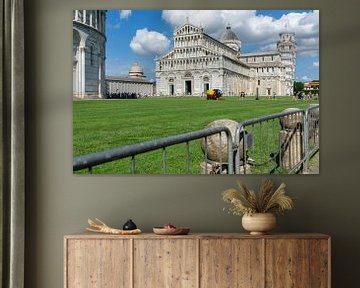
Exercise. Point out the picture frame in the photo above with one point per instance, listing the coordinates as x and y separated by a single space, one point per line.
194 60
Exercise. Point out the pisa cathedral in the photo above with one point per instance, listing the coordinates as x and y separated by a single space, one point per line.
199 62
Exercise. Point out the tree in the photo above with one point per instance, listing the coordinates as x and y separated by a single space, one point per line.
298 86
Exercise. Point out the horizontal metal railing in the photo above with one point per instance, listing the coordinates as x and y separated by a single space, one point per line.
91 160
278 143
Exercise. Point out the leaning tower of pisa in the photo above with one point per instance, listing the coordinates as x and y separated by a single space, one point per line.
89 53
287 49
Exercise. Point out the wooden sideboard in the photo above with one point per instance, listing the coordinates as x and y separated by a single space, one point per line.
197 260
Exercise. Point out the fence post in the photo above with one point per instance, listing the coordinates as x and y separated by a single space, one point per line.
306 141
240 143
291 140
230 153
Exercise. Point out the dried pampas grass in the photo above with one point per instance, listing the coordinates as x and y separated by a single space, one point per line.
245 201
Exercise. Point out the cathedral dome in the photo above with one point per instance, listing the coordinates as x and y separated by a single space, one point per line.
136 71
228 35
230 39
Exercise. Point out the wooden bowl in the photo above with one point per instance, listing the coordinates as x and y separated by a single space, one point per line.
171 231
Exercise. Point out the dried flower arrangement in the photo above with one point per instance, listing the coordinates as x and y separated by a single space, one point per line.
268 200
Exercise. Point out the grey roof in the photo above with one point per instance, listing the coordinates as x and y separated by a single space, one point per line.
260 53
229 35
266 64
238 61
127 79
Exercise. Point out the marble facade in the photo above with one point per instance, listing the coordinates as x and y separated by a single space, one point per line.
199 62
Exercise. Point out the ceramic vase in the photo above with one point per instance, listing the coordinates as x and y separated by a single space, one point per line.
259 223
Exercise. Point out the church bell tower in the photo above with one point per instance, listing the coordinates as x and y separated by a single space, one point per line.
287 50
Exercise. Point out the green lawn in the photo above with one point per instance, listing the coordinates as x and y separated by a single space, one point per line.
99 125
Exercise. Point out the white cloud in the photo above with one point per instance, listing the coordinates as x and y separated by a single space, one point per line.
316 64
147 42
124 14
305 78
268 47
308 46
254 28
214 21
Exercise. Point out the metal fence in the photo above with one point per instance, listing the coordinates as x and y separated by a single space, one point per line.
282 142
132 151
312 134
278 143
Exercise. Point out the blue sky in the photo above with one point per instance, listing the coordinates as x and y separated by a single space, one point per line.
142 35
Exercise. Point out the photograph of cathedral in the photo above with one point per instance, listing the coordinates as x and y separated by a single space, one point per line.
144 82
191 57
199 62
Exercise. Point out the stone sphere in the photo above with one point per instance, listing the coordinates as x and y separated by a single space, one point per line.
291 121
215 151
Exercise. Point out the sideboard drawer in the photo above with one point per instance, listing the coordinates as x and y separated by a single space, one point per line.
231 263
98 263
165 263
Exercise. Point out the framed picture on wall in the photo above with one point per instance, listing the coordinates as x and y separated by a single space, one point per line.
196 91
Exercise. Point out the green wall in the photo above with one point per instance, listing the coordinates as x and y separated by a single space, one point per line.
58 203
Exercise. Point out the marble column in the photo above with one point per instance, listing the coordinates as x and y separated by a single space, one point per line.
82 72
